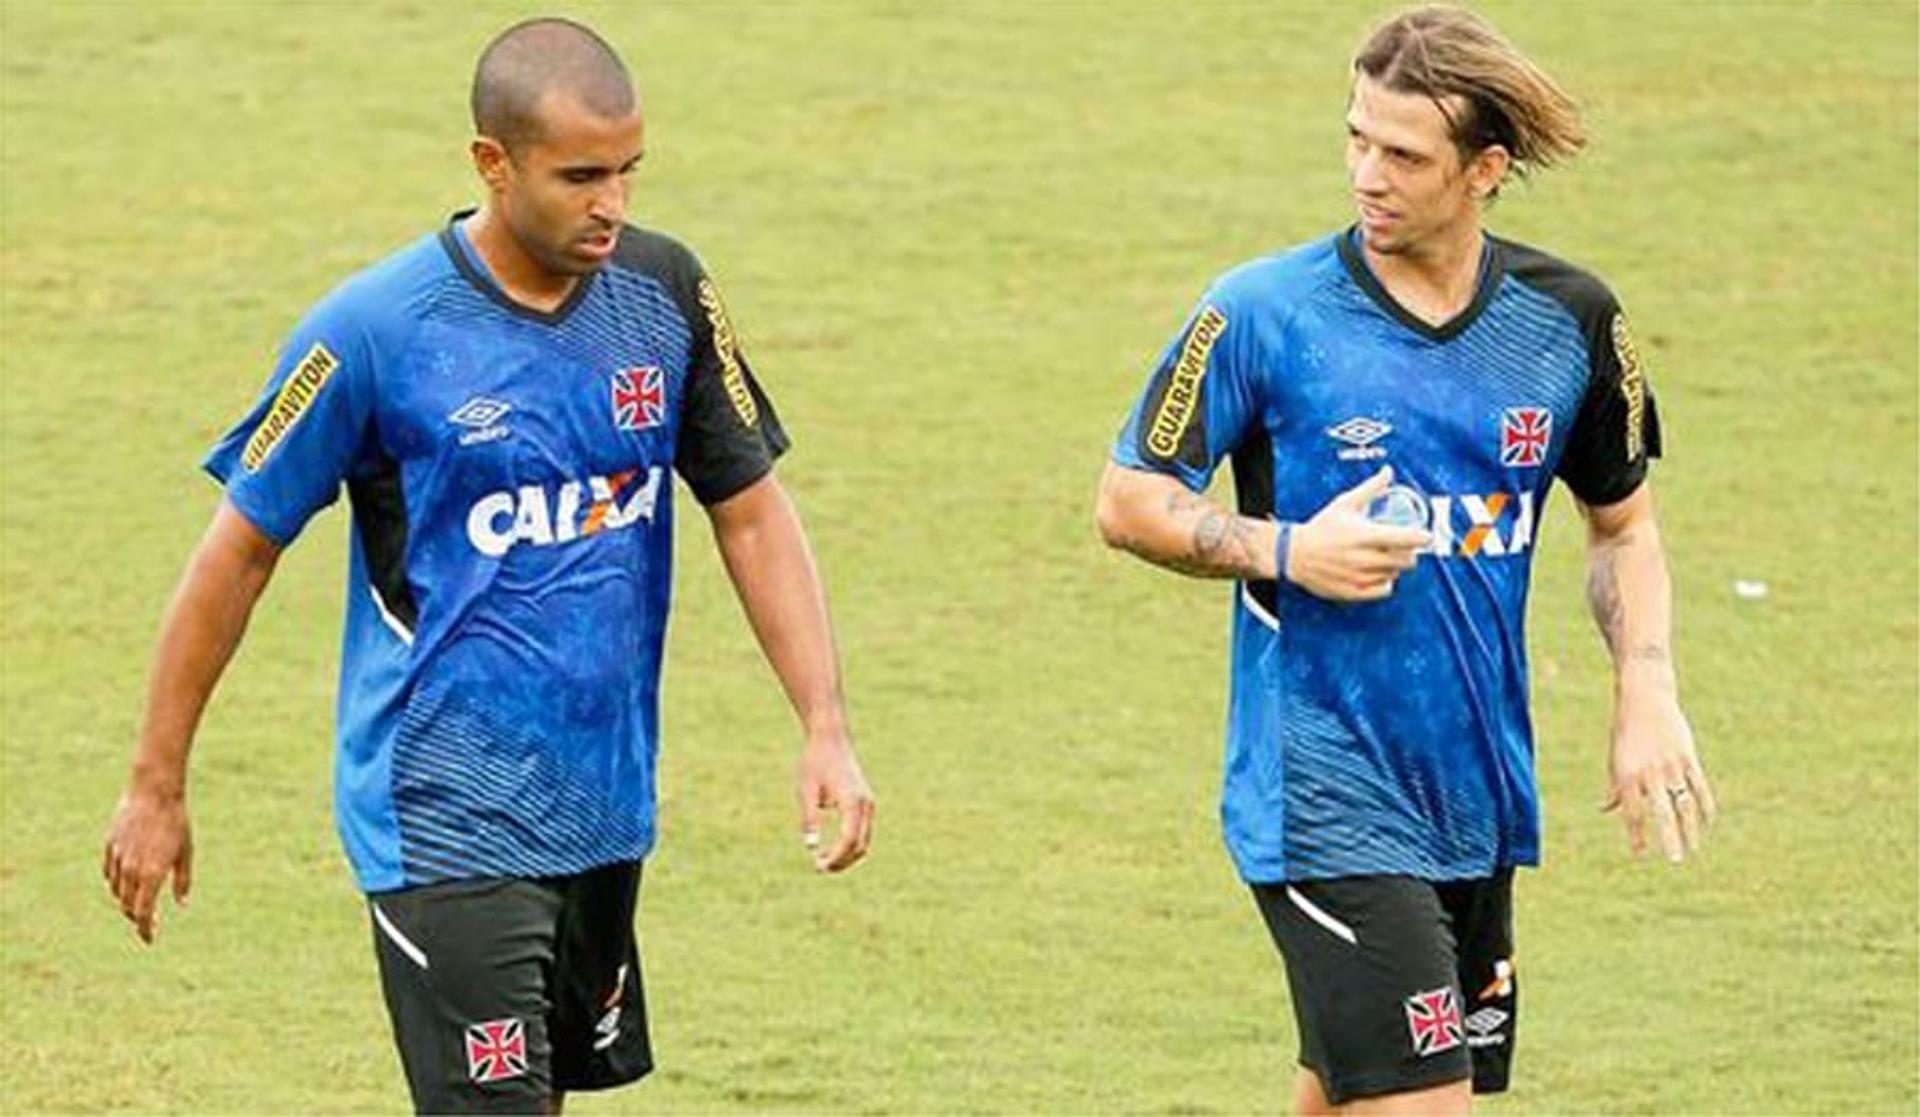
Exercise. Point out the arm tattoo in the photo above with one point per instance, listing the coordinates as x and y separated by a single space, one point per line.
1220 545
1603 596
1610 611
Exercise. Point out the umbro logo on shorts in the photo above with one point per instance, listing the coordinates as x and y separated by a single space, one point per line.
1483 1028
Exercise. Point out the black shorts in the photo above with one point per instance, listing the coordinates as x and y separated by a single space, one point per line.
503 992
1398 984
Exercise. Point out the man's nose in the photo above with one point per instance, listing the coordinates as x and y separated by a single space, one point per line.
1367 175
609 202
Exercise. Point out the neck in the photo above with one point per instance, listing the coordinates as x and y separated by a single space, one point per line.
1437 278
522 277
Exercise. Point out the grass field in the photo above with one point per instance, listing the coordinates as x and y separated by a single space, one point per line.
953 237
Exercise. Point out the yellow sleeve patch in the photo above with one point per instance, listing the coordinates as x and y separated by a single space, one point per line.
1633 387
1176 409
296 395
732 376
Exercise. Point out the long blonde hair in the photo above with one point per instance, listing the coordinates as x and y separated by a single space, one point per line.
1447 53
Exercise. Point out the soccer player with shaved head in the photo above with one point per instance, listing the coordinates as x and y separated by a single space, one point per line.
505 402
1397 399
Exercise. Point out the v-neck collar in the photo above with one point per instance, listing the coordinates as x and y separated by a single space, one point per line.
466 260
1492 267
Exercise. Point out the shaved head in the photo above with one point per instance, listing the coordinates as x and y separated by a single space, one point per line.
540 56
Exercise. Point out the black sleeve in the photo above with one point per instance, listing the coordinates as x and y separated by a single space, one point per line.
1618 428
728 433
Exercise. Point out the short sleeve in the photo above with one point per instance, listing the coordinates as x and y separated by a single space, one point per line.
1200 400
1617 431
729 432
285 460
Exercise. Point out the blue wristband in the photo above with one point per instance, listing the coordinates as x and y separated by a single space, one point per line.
1280 544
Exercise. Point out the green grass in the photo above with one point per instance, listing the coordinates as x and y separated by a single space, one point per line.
953 237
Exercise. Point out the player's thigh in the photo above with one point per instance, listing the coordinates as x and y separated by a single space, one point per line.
464 967
1371 968
599 1022
1482 912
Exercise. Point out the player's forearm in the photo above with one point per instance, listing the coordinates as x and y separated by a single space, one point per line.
1631 596
767 557
1161 521
203 625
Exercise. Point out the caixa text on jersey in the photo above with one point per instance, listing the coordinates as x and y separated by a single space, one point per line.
547 516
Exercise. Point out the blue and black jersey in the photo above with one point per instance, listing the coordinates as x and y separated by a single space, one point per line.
509 475
1394 736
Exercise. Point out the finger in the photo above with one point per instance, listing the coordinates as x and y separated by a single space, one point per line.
1660 804
146 898
844 851
1697 776
1633 811
863 812
1383 537
866 831
1358 497
1686 815
183 874
810 815
1376 589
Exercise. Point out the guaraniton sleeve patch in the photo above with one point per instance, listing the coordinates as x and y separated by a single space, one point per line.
296 395
1633 388
1182 398
728 349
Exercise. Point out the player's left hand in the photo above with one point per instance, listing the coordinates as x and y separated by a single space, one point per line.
1655 773
830 780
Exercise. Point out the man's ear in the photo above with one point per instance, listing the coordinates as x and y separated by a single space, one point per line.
491 160
1488 170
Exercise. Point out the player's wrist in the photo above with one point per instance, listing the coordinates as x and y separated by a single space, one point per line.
1283 546
827 729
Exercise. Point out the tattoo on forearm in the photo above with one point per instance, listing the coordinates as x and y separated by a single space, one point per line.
1603 596
1219 544
1610 611
1210 534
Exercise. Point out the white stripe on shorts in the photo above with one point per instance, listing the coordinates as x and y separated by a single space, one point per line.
1319 915
405 944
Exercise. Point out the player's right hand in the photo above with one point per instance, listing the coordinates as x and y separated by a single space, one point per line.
148 839
1341 555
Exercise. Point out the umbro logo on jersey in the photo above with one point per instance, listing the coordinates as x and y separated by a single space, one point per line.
481 416
543 517
479 412
1360 433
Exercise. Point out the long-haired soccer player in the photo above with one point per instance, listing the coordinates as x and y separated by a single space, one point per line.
1397 399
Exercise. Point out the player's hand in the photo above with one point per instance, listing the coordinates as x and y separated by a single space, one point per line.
1341 555
830 781
148 840
1656 774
